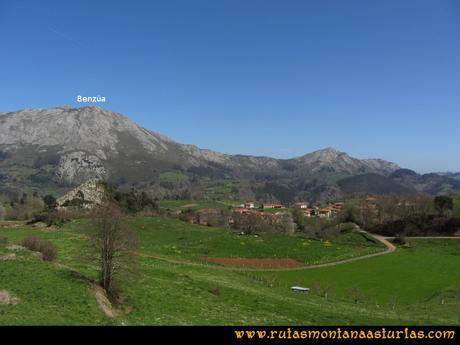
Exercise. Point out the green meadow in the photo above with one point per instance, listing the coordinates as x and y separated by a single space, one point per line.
416 285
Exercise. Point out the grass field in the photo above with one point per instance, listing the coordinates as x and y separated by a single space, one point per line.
173 238
411 286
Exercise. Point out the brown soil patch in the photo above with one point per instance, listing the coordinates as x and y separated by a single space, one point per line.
254 263
6 298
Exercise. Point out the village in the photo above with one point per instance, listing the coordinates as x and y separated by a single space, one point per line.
329 211
265 215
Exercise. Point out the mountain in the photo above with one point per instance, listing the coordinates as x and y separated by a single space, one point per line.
425 183
58 148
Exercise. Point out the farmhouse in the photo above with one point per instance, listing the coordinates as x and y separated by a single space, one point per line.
248 205
302 205
325 212
309 212
336 208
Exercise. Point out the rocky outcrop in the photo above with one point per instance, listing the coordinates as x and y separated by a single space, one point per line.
86 196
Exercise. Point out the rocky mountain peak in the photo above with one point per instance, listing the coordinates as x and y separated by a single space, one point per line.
90 129
65 146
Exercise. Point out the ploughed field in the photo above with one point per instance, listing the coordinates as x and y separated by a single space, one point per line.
254 263
416 285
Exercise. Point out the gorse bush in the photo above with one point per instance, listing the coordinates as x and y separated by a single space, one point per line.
46 248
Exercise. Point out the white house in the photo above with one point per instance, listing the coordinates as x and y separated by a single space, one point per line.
302 205
249 205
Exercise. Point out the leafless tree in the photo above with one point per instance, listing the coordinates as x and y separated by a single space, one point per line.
114 246
323 289
356 294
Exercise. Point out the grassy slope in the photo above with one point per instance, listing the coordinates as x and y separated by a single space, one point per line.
175 294
184 294
48 295
408 276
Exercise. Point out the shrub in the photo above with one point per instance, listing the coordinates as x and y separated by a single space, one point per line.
346 228
32 243
47 248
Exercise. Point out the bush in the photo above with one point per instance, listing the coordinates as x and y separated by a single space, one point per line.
57 218
32 243
47 248
346 228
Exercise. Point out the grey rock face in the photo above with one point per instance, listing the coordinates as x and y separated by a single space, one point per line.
88 129
77 167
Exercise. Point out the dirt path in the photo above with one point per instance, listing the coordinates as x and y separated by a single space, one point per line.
103 302
390 248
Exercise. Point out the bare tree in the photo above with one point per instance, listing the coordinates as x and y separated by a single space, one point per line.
323 288
114 247
355 293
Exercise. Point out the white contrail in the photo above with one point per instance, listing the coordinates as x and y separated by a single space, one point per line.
68 38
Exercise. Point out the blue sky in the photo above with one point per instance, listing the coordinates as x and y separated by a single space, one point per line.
276 78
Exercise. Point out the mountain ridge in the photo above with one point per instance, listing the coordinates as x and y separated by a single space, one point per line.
61 147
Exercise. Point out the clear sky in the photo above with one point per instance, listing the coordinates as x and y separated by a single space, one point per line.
278 78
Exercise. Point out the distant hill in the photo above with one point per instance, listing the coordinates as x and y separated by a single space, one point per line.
451 175
427 183
59 148
371 183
